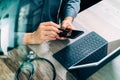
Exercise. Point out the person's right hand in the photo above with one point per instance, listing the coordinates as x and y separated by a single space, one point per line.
45 31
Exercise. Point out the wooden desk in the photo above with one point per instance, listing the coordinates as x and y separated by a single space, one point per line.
43 70
102 18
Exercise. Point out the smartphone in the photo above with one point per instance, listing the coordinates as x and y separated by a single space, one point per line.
72 34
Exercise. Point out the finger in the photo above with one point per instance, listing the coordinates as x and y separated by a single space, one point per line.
51 34
49 38
51 28
62 38
64 25
46 37
67 26
70 27
50 24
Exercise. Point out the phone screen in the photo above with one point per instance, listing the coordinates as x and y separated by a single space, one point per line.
70 33
75 34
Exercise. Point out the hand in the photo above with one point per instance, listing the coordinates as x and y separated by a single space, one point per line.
45 31
66 24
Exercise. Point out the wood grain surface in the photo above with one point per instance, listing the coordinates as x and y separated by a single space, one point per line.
43 70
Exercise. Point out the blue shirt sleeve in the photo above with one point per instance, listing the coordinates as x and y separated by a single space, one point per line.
70 8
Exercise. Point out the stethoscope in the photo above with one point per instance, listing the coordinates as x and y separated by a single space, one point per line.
29 63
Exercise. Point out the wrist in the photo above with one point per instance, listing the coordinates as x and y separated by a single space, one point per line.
28 39
70 19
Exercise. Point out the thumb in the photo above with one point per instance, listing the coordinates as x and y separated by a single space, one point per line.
64 25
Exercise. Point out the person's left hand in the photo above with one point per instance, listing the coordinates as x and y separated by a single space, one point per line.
67 24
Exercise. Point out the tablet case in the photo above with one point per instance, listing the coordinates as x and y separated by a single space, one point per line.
88 49
84 73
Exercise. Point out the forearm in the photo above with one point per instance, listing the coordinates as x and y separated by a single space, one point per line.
31 38
24 38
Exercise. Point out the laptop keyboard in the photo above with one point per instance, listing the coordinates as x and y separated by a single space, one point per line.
78 50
